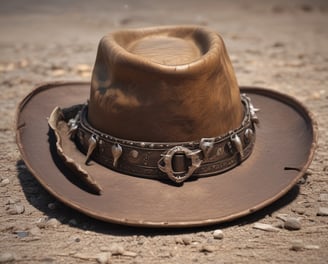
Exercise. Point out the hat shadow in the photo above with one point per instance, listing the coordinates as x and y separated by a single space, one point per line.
38 197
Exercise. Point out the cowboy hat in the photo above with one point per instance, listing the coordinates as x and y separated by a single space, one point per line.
163 135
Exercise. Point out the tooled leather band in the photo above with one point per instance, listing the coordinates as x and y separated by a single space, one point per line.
177 161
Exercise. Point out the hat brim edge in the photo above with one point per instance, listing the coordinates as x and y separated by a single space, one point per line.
125 221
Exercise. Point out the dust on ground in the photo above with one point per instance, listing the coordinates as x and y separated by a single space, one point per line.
276 44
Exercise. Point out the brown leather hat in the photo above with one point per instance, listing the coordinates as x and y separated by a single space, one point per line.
163 135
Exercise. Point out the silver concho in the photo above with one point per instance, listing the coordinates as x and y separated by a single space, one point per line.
165 163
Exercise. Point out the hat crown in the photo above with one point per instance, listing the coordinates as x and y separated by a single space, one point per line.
166 50
164 85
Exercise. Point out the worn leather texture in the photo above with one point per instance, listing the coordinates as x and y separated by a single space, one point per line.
164 84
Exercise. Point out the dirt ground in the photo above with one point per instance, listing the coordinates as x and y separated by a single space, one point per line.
276 44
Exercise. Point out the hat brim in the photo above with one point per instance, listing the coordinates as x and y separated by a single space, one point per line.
284 148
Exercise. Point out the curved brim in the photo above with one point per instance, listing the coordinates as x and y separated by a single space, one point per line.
284 147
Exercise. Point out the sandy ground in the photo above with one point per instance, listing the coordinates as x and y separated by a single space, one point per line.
280 44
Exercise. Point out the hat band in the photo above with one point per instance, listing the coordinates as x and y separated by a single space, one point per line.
176 161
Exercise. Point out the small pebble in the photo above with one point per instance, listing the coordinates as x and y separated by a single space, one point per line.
218 234
4 182
103 258
104 249
41 222
178 240
21 234
15 209
83 68
75 239
207 248
282 217
6 257
19 208
52 206
186 240
35 231
129 254
141 240
72 222
116 249
297 245
315 95
311 247
323 211
292 223
52 222
299 211
265 227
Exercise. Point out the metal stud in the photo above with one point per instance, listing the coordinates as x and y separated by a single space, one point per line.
101 146
117 152
73 125
134 153
92 145
237 144
219 151
253 111
249 134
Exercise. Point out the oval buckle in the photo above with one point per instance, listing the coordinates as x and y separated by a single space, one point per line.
165 163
